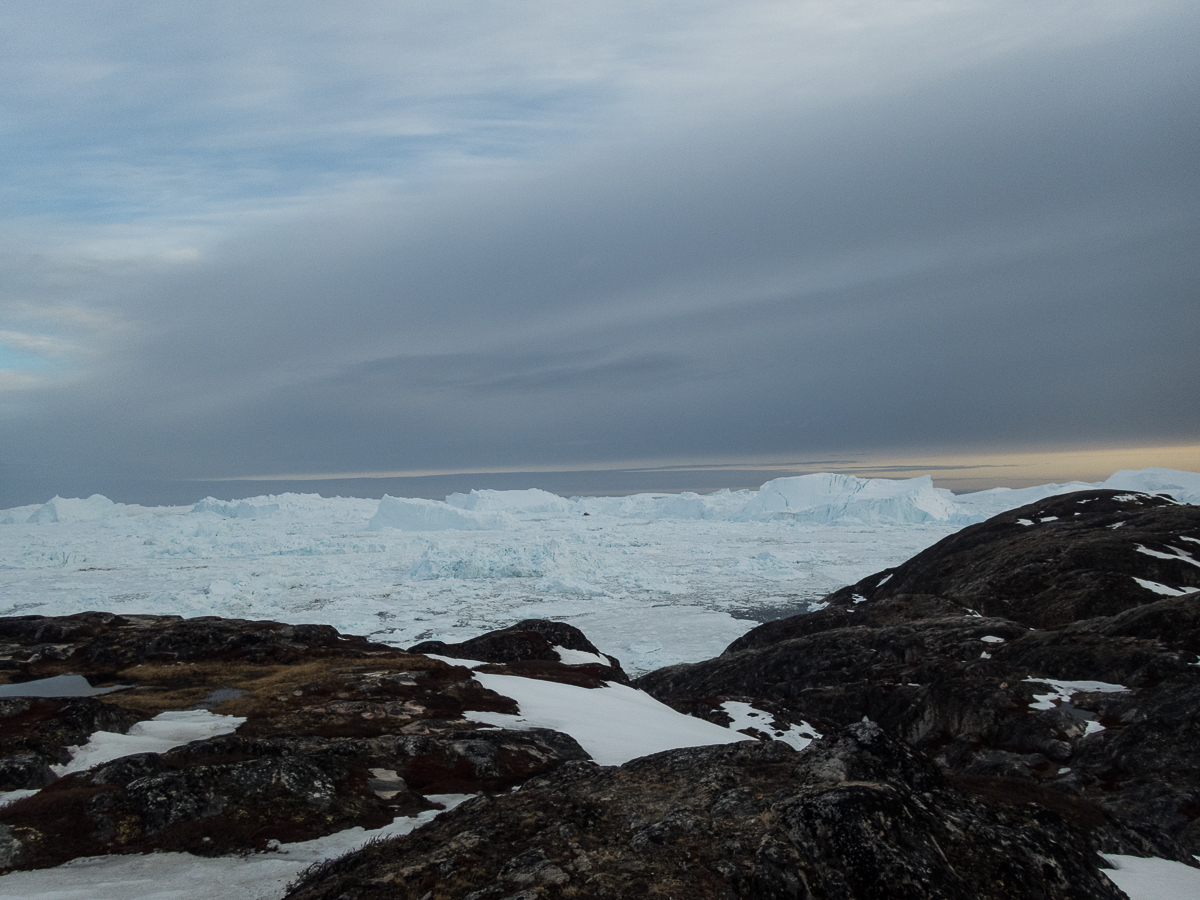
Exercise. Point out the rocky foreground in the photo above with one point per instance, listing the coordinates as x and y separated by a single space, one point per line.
996 712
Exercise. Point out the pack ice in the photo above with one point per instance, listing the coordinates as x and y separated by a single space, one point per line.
653 578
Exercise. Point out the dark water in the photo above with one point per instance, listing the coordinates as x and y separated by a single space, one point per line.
58 686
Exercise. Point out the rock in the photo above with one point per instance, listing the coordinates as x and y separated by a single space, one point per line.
1080 557
35 733
958 650
338 733
530 640
858 815
236 794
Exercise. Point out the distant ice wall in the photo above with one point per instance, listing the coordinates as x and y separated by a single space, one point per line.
818 499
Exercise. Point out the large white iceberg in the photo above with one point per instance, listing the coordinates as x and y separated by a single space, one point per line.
531 502
60 509
1181 486
243 509
824 499
414 514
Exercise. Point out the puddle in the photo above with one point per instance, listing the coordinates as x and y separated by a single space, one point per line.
58 686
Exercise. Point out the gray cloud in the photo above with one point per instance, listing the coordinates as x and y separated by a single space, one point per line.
988 252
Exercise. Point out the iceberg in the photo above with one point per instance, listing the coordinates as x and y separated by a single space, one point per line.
243 509
531 502
825 499
414 514
1182 486
59 509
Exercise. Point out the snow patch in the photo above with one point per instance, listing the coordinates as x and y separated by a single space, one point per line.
181 876
580 657
1145 878
1181 555
1161 588
158 735
1065 690
614 724
746 716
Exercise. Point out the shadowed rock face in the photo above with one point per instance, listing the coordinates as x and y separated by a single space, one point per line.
946 652
858 815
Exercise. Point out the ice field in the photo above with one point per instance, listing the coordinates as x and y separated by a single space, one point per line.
652 579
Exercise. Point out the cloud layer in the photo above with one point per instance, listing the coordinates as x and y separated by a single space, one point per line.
295 241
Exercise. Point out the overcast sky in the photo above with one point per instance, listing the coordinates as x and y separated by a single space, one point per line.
249 240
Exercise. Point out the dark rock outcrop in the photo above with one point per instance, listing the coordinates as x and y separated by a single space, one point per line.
1080 556
35 733
858 815
956 652
338 732
100 641
528 641
235 794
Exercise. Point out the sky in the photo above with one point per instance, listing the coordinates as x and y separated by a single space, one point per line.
593 247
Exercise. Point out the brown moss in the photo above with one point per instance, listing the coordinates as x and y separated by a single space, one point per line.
1018 791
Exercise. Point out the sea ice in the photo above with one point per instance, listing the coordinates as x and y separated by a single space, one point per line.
652 579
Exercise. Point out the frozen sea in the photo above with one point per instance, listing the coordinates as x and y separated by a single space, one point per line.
653 579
